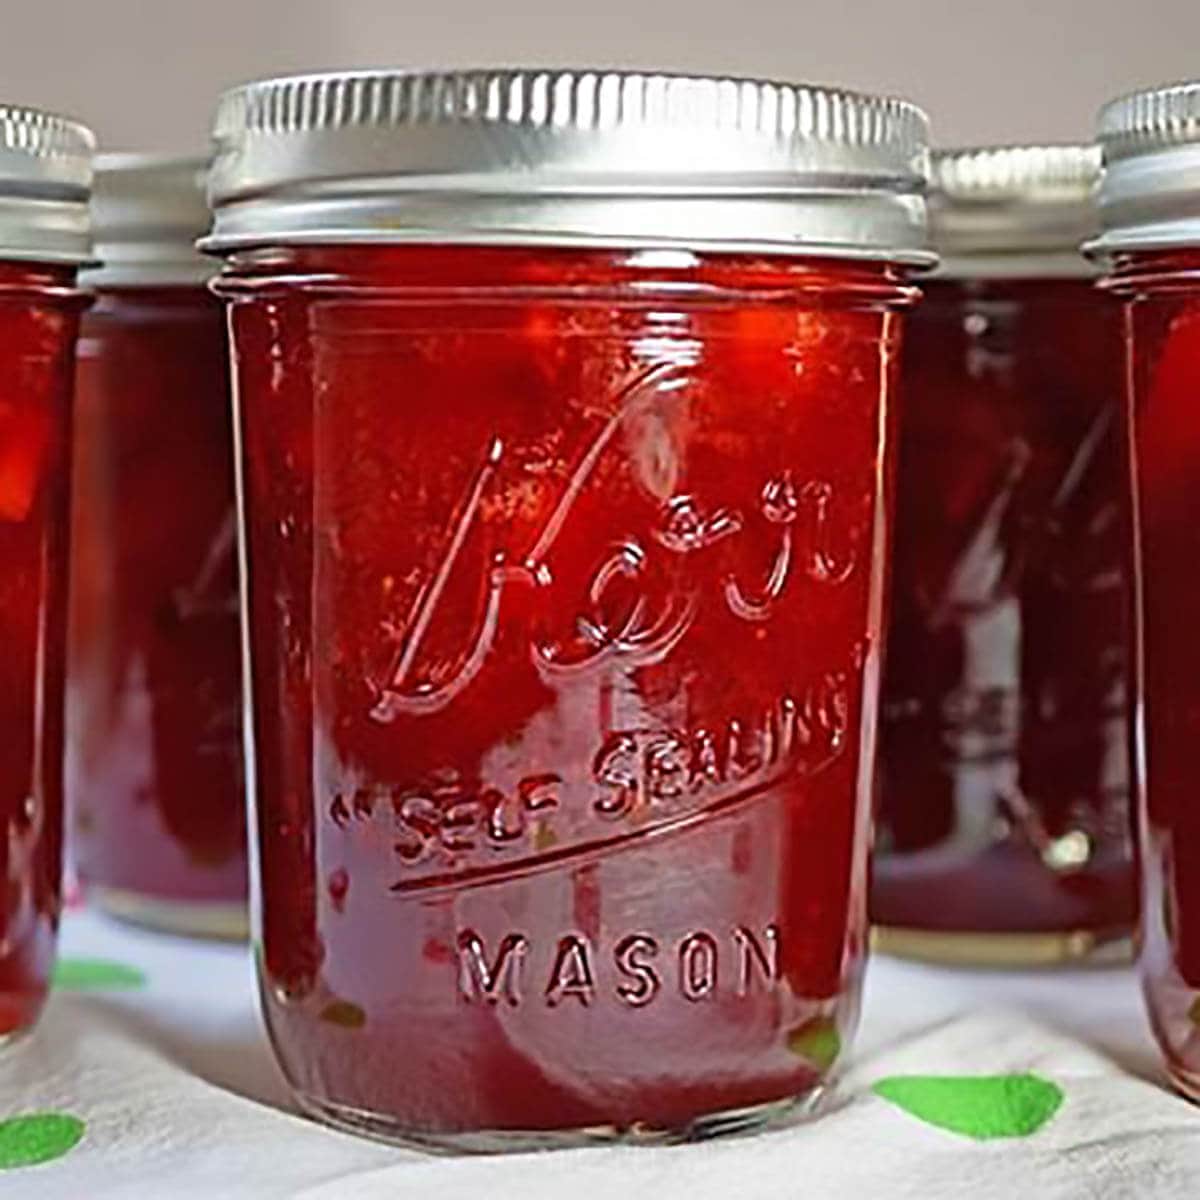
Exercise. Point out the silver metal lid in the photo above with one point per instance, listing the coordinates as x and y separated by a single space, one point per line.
147 212
565 157
1013 211
45 177
1150 197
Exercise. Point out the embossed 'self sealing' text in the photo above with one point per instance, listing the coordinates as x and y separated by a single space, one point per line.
639 779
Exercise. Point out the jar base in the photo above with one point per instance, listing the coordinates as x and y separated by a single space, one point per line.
974 949
14 1037
509 1141
188 918
1186 1083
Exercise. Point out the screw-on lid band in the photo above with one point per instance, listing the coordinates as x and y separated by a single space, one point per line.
566 157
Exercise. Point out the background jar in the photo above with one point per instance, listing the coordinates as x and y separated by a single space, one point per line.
154 700
45 176
1151 241
1004 817
563 402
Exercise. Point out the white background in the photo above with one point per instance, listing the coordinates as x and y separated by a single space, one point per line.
144 72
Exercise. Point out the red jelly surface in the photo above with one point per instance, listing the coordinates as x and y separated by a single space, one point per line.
1005 801
38 322
1163 327
565 594
155 776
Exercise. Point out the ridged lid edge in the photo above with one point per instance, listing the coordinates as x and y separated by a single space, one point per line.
45 180
1014 211
53 142
556 99
1152 118
1016 172
1150 195
568 156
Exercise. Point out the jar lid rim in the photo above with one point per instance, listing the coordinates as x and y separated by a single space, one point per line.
594 152
294 102
45 182
1150 194
1033 171
1013 209
148 210
1147 119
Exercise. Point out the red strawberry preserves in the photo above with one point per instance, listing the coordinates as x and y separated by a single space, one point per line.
1004 821
565 453
45 178
38 319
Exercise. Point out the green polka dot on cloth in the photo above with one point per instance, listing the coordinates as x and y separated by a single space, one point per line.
95 975
34 1138
817 1042
976 1106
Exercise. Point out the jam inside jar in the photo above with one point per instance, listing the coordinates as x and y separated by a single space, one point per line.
1150 244
564 609
1004 832
38 321
45 183
154 768
155 786
564 584
1163 342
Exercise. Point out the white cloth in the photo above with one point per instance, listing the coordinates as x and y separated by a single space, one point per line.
181 1099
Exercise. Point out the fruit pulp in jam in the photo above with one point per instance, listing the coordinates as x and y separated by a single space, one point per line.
1163 331
38 320
565 595
155 773
1005 736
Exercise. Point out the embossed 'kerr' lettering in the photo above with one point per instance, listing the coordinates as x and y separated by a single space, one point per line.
795 515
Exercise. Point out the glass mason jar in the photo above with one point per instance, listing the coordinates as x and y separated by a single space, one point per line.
154 776
563 403
1004 817
45 177
1151 238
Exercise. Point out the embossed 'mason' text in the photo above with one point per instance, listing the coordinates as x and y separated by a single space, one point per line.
634 971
